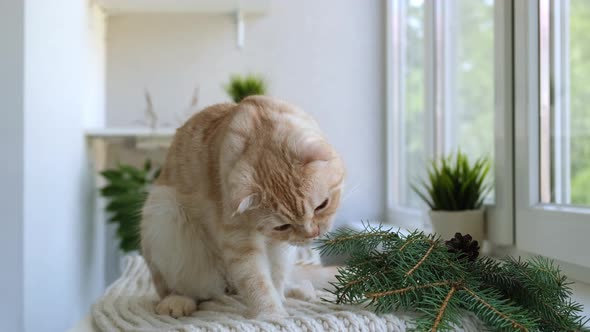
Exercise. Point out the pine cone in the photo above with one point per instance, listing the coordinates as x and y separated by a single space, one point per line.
464 245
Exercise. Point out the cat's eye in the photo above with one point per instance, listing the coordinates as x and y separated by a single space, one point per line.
282 227
321 206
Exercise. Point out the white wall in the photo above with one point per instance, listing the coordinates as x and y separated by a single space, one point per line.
94 107
61 279
325 56
11 168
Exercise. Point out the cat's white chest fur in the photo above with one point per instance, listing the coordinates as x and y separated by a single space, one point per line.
190 258
186 256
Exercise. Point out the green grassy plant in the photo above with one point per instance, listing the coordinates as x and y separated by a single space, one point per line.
454 184
240 87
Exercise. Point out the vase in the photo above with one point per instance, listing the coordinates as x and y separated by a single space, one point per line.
447 223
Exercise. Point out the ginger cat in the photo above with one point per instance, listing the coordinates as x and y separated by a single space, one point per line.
242 186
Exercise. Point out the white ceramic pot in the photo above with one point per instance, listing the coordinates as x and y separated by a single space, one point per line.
447 223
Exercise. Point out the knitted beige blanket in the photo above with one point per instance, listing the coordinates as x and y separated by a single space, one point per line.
128 305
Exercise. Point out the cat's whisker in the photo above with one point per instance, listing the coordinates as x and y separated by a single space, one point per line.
348 193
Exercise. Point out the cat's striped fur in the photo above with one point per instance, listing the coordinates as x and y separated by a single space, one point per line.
242 185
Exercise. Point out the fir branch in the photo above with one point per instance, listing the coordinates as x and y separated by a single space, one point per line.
492 308
406 289
344 291
359 236
349 241
409 273
536 284
356 281
435 319
394 271
442 309
408 243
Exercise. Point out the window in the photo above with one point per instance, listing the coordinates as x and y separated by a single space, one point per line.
441 97
506 79
566 154
551 122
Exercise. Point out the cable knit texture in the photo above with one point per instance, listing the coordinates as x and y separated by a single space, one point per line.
128 305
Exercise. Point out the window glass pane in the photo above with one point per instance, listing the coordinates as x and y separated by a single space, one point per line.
413 99
579 58
470 77
570 111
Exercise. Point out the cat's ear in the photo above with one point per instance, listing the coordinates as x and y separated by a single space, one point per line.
311 150
247 203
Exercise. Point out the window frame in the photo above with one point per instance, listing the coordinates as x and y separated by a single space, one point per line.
396 213
551 230
560 120
434 76
500 215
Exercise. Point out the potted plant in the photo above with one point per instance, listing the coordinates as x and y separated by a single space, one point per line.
126 191
455 192
240 87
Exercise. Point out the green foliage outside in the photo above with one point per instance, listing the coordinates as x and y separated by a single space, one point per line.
454 184
579 57
414 118
472 68
389 271
240 87
126 191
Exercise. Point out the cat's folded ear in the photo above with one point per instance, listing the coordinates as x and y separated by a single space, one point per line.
314 149
249 202
243 195
241 205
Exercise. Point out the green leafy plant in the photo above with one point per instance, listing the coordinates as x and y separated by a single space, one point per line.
454 184
240 87
126 191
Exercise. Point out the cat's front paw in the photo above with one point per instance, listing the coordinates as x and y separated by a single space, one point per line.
303 291
176 306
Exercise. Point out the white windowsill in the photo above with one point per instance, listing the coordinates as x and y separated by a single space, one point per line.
129 132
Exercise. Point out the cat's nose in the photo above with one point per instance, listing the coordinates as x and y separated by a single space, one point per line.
314 234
